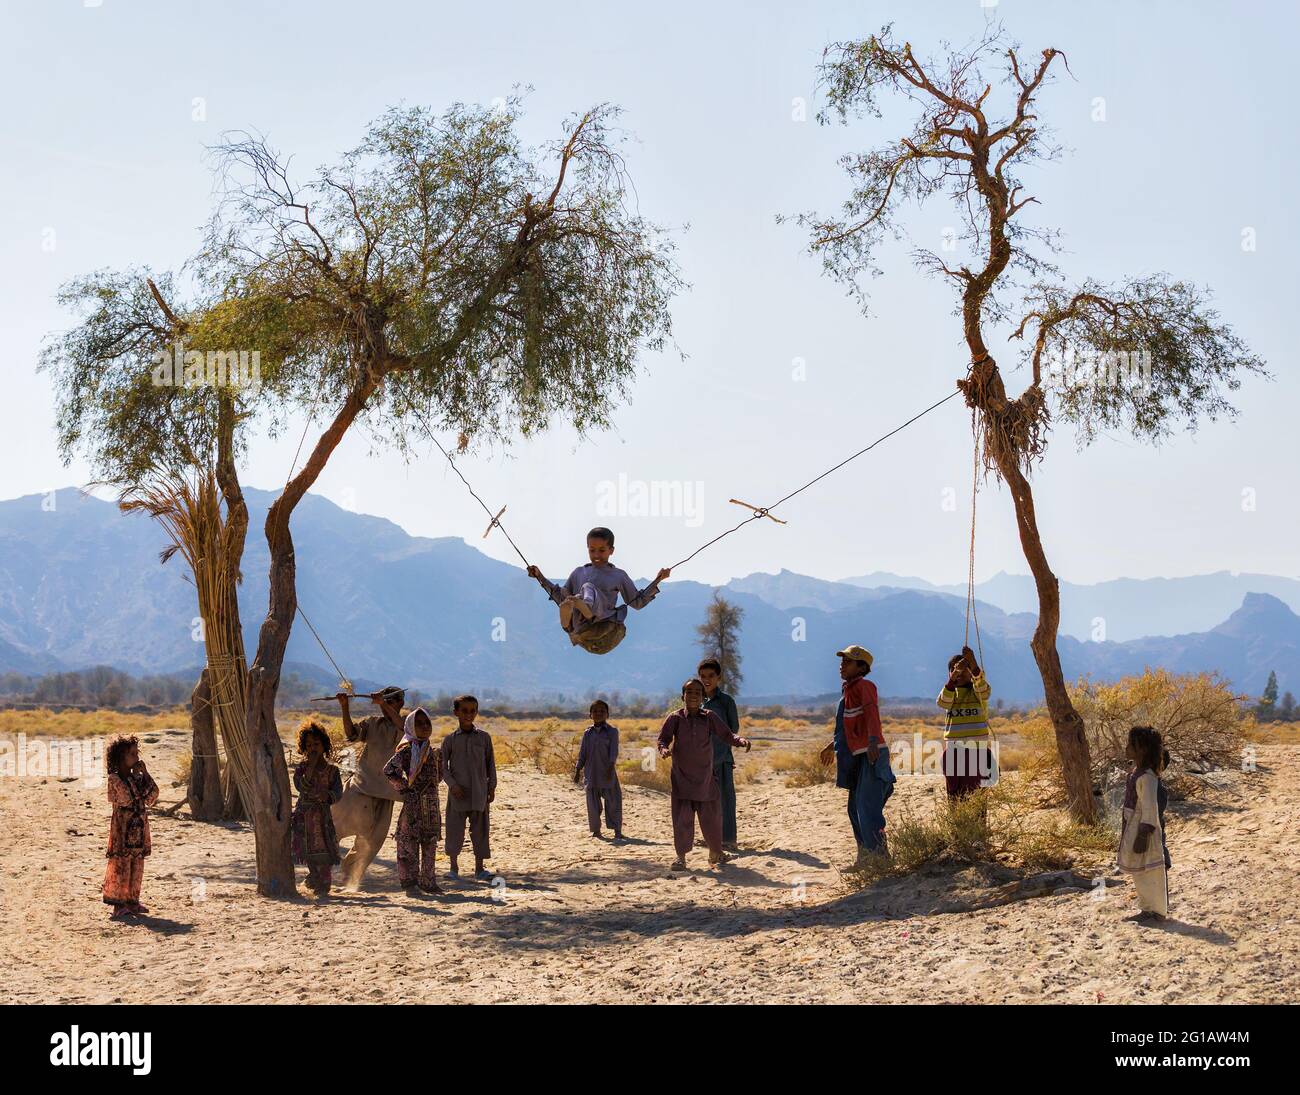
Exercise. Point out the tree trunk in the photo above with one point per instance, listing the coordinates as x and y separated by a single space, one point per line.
272 802
271 799
1071 742
988 393
204 792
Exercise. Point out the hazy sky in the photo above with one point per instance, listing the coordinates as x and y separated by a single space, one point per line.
103 167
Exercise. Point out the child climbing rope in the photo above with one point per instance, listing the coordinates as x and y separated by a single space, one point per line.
968 761
589 608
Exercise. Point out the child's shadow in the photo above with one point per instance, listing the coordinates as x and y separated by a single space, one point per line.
1192 931
162 925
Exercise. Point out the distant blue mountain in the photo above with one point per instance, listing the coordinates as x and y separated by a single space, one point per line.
80 584
1129 608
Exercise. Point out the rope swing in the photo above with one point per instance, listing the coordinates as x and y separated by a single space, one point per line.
759 512
971 614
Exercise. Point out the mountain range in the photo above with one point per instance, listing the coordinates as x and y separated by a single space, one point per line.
81 584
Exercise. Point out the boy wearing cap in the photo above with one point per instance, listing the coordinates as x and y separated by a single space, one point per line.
861 753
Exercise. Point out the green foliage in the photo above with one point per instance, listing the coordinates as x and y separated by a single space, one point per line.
493 288
973 132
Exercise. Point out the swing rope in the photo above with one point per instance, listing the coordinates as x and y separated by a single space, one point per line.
494 520
759 512
971 614
344 682
765 511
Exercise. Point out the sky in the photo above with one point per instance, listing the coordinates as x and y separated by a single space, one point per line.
1175 120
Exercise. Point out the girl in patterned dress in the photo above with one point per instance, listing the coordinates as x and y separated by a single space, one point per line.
319 785
415 770
131 790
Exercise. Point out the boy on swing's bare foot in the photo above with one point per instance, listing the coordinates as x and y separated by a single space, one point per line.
590 595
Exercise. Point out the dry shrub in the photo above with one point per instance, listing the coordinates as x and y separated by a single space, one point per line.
506 750
802 768
182 770
551 750
1200 720
1199 717
658 777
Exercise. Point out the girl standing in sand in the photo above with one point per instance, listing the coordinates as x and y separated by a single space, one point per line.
319 785
1141 840
131 791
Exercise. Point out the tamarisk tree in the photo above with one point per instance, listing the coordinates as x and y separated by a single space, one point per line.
970 142
719 637
440 275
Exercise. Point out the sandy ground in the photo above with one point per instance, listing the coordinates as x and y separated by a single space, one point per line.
576 919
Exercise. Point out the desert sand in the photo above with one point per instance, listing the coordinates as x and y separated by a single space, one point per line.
575 919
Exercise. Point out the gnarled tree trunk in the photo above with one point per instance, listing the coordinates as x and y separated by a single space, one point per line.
272 802
986 391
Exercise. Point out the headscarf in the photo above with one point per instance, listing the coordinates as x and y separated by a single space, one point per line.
408 734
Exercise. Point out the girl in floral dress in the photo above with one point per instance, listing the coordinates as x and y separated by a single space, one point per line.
319 785
131 791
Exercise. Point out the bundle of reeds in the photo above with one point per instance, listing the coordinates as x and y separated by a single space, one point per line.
189 508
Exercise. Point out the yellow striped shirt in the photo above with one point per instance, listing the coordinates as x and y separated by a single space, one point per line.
968 710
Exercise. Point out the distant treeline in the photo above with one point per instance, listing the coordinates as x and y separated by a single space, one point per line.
104 686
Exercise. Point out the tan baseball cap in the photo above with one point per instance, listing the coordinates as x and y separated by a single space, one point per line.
857 653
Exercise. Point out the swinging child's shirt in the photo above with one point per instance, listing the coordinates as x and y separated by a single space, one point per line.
601 587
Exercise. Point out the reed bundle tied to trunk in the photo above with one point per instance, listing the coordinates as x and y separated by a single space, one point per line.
189 509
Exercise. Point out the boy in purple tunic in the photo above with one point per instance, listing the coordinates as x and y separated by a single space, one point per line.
589 608
597 756
687 736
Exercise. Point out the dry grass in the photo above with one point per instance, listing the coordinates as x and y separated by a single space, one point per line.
802 768
1273 733
87 724
1004 824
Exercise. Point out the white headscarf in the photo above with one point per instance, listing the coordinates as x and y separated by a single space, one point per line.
408 734
408 727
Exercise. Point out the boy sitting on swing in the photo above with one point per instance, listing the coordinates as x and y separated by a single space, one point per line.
589 608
